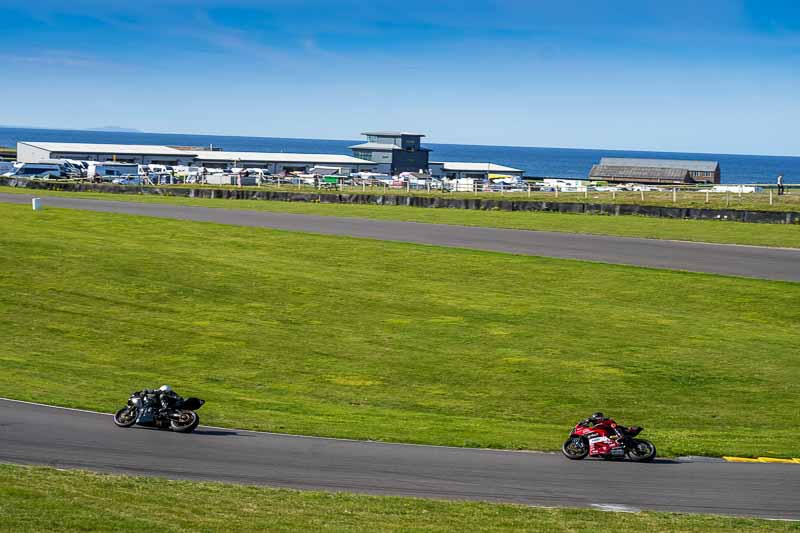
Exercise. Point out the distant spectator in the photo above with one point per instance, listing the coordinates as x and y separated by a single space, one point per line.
781 188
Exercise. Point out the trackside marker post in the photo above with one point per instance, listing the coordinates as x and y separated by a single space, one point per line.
36 203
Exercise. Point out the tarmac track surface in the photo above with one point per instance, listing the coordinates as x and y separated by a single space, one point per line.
747 261
36 434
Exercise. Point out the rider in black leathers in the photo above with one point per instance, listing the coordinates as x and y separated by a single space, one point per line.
164 396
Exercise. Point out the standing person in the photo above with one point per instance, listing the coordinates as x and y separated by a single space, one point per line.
781 188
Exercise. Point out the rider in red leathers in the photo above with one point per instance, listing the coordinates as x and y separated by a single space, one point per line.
600 420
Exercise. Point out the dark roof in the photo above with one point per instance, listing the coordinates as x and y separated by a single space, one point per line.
636 173
694 166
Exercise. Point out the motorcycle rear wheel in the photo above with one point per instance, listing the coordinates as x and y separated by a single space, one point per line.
643 451
125 417
187 423
575 448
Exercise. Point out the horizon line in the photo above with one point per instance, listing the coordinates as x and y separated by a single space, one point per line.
124 130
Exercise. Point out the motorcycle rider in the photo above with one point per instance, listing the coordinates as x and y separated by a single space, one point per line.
163 396
599 419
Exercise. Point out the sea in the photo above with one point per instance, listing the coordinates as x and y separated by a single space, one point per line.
539 162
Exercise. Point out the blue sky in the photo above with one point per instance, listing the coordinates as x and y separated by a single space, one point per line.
699 76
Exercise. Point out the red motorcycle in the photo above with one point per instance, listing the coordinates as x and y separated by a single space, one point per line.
603 437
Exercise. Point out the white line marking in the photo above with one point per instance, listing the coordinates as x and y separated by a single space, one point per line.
55 406
615 508
296 436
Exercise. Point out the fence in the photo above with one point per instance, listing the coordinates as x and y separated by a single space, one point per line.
728 196
673 199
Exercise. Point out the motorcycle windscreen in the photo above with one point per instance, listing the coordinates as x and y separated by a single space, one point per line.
192 404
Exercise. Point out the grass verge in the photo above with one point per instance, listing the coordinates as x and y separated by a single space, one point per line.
623 226
45 499
343 337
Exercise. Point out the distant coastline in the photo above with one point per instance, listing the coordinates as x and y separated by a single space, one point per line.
115 128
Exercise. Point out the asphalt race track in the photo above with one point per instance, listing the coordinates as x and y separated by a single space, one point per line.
747 261
35 434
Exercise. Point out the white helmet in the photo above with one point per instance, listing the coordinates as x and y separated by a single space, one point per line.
165 388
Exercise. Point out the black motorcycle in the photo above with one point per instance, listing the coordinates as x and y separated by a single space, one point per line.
144 409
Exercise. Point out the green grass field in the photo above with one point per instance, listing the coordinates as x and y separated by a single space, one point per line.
354 338
624 226
45 499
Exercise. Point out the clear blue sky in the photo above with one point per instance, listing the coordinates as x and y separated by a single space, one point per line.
702 76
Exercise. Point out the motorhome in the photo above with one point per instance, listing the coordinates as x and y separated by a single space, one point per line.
38 170
107 171
230 179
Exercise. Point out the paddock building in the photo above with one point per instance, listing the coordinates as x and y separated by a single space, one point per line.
476 171
624 169
34 152
277 163
143 154
393 152
651 175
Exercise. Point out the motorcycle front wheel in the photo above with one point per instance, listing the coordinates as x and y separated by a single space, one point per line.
642 451
575 448
125 417
186 422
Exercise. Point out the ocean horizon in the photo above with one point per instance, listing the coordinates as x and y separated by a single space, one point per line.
534 161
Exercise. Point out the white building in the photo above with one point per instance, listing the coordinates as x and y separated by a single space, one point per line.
143 154
276 163
476 171
34 152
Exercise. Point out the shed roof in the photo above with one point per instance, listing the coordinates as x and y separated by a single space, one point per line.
375 146
280 157
695 166
459 166
633 173
393 133
129 149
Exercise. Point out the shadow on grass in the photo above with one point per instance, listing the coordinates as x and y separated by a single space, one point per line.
218 432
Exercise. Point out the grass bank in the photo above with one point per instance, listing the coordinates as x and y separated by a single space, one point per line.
353 338
623 226
45 499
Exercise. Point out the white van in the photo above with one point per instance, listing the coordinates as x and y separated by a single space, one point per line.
68 168
38 170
